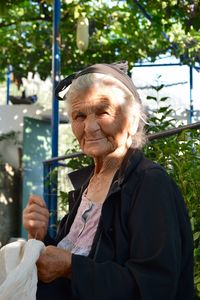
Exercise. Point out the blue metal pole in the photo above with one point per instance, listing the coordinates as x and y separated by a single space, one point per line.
46 180
55 112
9 71
56 76
191 95
157 65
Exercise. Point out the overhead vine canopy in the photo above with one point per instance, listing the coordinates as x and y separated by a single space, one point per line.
132 30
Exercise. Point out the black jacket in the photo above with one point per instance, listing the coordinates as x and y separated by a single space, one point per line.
143 247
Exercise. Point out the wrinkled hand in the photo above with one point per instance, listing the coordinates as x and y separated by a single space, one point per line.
36 218
53 263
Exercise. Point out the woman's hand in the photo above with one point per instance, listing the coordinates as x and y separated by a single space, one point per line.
36 218
53 263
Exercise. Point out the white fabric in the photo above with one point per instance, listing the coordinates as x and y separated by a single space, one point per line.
18 271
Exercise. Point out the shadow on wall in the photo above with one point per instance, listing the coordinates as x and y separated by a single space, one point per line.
21 173
10 202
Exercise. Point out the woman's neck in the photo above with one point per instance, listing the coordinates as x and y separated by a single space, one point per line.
110 163
105 169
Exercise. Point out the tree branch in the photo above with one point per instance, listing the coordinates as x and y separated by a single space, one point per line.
174 46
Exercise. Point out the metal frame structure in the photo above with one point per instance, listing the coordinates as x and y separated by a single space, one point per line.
55 104
8 75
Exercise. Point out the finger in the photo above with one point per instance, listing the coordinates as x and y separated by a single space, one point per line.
36 216
35 224
37 200
35 208
31 216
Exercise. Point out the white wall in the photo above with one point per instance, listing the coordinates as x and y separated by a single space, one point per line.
11 116
11 119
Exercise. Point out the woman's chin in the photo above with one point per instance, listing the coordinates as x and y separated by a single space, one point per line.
96 151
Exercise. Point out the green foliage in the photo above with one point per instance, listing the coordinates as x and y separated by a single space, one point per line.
118 29
180 156
75 163
80 161
63 202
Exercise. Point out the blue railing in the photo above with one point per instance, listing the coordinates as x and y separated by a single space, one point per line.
50 167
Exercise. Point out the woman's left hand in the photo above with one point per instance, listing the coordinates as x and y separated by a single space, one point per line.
53 263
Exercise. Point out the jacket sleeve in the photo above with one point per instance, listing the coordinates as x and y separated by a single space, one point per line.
152 270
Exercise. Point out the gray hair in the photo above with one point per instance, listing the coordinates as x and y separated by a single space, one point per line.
133 106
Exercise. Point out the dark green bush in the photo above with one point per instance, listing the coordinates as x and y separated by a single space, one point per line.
180 156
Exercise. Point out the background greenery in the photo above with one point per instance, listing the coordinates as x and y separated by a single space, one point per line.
180 156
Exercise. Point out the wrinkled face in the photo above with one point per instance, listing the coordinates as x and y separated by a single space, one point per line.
100 121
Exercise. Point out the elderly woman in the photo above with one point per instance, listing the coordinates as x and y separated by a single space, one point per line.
127 235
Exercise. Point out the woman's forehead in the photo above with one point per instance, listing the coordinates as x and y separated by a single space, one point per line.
99 96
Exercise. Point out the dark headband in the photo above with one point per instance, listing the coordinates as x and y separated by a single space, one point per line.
116 70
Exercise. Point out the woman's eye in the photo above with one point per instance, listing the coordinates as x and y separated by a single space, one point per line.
79 117
102 113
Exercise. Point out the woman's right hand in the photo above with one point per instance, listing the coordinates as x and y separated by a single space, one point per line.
36 218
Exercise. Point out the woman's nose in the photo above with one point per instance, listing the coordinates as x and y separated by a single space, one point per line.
91 124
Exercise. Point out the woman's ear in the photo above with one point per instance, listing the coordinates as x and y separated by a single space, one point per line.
134 123
132 130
